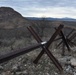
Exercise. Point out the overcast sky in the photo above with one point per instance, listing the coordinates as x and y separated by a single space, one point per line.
43 8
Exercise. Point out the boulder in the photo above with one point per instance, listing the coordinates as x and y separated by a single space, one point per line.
73 62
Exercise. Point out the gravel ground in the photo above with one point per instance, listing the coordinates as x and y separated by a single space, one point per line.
23 65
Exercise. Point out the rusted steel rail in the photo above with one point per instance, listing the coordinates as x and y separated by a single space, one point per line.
71 43
64 40
67 36
45 47
70 33
72 37
19 52
67 41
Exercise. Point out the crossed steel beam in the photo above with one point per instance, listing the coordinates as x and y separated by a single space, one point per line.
46 46
43 45
64 41
68 39
38 39
65 38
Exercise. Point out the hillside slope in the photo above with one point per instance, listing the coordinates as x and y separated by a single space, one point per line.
12 23
9 18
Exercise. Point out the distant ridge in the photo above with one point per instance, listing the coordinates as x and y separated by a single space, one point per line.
52 19
14 25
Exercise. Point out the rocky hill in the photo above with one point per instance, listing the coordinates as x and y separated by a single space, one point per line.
12 23
9 18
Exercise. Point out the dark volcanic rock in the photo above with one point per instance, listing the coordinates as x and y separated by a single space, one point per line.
12 23
8 12
9 18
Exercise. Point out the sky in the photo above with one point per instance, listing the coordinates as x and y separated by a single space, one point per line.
42 8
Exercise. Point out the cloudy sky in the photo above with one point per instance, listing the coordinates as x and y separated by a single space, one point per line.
43 8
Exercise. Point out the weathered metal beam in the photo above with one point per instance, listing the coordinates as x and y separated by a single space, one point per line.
54 35
57 39
71 43
72 37
38 39
19 52
51 40
65 41
45 48
66 37
70 33
63 47
59 44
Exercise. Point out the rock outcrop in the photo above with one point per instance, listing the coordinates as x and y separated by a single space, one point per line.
12 23
9 18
